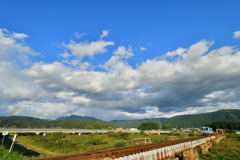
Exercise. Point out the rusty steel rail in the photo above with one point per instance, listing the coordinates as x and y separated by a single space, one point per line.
120 152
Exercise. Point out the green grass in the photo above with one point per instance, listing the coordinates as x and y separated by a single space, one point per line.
4 155
227 149
59 143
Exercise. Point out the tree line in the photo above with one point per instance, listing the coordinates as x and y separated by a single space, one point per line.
225 125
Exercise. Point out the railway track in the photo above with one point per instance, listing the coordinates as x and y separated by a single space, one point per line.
118 152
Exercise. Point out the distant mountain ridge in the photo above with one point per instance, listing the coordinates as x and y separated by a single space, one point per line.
197 120
191 120
31 122
77 117
84 122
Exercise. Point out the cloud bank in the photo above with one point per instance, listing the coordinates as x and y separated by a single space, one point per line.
187 80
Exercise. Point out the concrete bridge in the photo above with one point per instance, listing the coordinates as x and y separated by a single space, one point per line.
74 131
169 150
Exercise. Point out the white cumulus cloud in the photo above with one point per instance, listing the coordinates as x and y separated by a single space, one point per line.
12 48
143 49
236 34
88 48
104 34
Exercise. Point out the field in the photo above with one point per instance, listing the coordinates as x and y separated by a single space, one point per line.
59 143
227 149
4 155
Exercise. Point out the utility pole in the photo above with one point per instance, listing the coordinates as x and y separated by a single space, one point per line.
14 138
3 134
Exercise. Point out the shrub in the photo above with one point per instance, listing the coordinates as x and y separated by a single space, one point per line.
148 126
111 134
97 141
123 135
120 144
191 134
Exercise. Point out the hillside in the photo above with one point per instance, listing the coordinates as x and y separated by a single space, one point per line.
194 120
197 120
135 123
81 123
30 122
24 122
77 117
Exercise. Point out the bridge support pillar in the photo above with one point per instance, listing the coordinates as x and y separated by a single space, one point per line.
204 147
217 140
190 154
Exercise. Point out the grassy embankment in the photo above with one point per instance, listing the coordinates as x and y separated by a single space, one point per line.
59 143
4 155
227 149
53 144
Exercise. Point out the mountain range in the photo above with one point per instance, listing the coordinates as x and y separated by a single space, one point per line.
73 121
192 120
77 117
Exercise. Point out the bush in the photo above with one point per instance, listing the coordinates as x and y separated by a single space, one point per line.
143 133
148 126
97 142
111 134
166 127
120 144
59 135
230 131
191 134
175 134
123 135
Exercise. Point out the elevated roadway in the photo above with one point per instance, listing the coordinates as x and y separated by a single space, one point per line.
74 131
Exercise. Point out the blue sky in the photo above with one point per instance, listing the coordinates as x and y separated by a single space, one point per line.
158 27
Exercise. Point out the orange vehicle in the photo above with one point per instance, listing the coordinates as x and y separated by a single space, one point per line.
220 131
